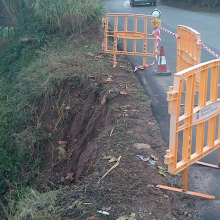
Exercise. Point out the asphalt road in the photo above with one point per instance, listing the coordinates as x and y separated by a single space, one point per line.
201 179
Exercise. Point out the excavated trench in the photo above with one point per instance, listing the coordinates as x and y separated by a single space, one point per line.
85 127
79 133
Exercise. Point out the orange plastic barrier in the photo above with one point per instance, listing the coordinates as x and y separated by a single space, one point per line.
129 35
194 119
188 47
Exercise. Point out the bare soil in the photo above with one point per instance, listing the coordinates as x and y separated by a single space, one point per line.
111 157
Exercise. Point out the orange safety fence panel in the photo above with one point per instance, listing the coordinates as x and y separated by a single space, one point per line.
188 47
188 50
194 117
127 33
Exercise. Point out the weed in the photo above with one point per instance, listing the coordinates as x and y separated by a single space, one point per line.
6 34
113 95
119 141
35 205
120 128
183 196
139 88
142 97
75 81
133 139
62 153
115 107
181 212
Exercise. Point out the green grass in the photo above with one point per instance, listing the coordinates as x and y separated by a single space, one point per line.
120 128
133 139
142 97
115 107
35 205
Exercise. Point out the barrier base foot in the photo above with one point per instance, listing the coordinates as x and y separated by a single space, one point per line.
186 192
156 73
208 164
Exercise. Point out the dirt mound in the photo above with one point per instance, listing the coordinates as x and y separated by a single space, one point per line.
106 151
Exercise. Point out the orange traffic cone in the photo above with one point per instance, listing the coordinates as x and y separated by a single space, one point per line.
162 66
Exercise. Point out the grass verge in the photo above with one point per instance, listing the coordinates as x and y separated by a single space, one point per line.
35 64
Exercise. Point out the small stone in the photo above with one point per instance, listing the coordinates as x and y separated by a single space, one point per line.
141 146
62 179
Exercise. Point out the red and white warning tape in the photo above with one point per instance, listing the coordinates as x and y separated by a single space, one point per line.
198 42
208 49
145 66
156 31
169 32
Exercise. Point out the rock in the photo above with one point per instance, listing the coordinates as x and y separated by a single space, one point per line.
62 179
141 146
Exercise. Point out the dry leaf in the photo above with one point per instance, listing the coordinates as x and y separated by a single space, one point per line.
92 218
150 123
61 143
154 157
77 203
68 107
107 157
25 39
106 208
69 176
90 54
123 93
113 159
162 172
113 167
103 101
160 168
133 214
111 133
99 56
109 80
126 217
166 196
185 213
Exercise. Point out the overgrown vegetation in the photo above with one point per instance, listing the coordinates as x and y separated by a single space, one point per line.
35 205
28 49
